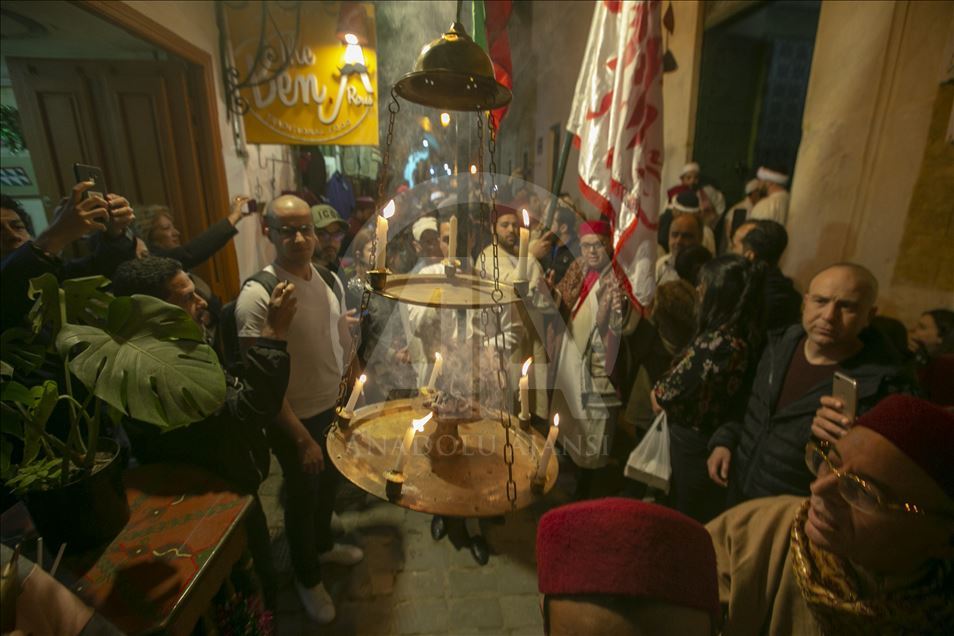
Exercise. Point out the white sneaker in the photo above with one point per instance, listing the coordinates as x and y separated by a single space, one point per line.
342 554
317 602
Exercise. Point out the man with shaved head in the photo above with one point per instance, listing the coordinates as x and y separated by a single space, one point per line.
760 452
318 342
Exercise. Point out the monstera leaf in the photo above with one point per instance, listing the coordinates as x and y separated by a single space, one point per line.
150 362
87 302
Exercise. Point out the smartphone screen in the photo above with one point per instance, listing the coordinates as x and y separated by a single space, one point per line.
845 389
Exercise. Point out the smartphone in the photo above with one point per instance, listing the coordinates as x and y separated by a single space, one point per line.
252 206
738 218
82 172
845 388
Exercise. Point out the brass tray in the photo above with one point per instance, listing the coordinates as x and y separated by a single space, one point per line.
460 291
470 484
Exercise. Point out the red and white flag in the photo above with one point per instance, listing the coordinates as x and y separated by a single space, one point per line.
616 119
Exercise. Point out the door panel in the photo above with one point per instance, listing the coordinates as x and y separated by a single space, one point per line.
132 118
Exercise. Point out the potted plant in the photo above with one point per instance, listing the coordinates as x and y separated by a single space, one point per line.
136 357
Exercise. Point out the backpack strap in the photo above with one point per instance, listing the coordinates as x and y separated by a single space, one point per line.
331 281
264 278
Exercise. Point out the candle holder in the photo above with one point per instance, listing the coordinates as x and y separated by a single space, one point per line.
522 288
537 484
524 423
378 278
344 417
394 484
451 265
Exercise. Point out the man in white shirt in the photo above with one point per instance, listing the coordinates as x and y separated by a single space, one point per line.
774 205
685 231
317 343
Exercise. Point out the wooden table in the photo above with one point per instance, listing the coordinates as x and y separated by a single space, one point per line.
159 575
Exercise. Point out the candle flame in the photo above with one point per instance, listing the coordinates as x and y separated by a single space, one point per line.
419 424
473 168
526 218
556 420
445 119
363 378
351 38
526 365
388 210
437 355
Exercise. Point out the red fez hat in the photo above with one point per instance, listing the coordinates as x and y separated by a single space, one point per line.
921 430
624 547
600 228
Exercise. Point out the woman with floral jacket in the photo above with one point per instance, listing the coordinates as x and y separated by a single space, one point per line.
707 381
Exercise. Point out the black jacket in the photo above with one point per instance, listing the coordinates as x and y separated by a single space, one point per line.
231 443
202 247
768 445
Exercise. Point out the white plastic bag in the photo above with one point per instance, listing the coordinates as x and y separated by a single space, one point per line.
650 461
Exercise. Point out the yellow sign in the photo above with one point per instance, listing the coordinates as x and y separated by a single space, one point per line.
326 90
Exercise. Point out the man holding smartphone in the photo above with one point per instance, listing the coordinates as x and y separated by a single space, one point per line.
108 217
760 452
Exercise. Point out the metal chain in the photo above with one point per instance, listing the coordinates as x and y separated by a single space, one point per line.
348 377
480 179
503 370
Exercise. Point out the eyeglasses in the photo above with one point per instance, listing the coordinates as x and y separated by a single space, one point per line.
855 490
325 234
591 247
289 231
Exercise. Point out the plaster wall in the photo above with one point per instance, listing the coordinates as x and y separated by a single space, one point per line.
253 175
681 90
875 77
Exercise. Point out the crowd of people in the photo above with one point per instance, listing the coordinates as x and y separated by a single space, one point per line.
822 515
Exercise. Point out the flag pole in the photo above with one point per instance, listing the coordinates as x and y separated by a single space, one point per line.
558 178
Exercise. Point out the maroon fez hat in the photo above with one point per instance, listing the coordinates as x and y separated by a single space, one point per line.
624 547
921 430
600 228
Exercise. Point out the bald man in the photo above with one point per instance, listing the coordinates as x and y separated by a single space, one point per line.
318 342
761 452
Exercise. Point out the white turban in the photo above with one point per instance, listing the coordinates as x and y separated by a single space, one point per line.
764 174
689 167
751 186
422 224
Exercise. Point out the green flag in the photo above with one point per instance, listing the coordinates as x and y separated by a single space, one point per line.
480 27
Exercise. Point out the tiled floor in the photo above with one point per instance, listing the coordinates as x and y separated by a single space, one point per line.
411 584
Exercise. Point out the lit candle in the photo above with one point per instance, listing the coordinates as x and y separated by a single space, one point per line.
435 372
452 241
380 262
548 449
355 393
473 168
524 248
525 390
415 427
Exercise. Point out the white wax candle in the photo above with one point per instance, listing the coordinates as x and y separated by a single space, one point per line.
524 386
522 255
548 449
435 372
381 232
380 254
355 393
412 430
452 241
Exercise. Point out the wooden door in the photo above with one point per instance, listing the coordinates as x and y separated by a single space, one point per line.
135 120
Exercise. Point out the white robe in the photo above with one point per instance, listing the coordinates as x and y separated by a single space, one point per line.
774 207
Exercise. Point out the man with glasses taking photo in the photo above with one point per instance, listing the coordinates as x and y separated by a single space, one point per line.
298 439
871 551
